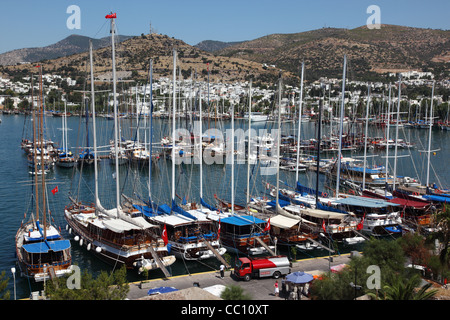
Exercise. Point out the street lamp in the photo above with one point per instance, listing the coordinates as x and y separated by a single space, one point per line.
354 285
13 270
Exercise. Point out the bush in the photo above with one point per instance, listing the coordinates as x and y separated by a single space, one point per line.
234 292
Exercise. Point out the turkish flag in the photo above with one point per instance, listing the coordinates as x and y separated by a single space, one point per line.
360 225
164 236
267 228
55 190
323 225
111 16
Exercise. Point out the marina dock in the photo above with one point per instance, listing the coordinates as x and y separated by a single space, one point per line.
258 289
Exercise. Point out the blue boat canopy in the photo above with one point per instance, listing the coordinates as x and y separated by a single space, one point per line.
242 220
436 198
281 202
44 247
365 202
210 207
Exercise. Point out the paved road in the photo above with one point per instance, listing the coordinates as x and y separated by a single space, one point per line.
258 289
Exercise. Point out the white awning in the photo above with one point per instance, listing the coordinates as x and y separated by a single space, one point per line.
281 221
118 225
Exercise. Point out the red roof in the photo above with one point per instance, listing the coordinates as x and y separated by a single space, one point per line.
409 203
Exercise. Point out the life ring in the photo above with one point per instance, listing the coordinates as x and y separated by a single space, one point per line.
325 195
351 191
416 193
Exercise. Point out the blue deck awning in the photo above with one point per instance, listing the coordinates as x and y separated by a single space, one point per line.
436 198
44 247
242 220
365 202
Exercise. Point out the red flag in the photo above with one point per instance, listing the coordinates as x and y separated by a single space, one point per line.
323 225
164 236
267 228
111 16
360 224
55 190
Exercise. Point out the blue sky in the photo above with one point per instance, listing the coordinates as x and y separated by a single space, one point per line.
37 23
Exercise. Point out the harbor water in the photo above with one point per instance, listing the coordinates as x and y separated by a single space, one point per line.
16 181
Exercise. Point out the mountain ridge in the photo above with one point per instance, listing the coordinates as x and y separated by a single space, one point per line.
371 55
70 45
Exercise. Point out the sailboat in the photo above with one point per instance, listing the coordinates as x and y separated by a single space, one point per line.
42 253
65 157
115 237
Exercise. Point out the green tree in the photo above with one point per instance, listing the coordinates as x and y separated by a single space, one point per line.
414 246
4 293
398 289
386 254
234 292
106 286
443 233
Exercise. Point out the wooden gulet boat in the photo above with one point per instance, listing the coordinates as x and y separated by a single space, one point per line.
42 253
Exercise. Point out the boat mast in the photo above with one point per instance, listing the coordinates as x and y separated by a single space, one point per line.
173 123
41 133
232 159
278 141
93 122
341 128
201 144
365 137
150 134
387 140
116 151
429 135
249 139
319 138
396 128
35 150
300 122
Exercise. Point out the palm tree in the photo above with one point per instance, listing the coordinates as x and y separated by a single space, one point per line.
400 289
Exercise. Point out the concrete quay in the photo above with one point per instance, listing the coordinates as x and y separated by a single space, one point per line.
258 289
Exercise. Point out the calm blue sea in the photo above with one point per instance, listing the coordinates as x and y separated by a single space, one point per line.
15 180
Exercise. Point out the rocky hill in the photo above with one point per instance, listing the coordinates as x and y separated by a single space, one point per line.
213 46
369 51
371 54
71 45
132 60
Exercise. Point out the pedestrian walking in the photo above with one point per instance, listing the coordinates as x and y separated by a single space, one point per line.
277 290
222 271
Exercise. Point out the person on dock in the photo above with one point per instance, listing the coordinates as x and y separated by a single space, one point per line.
277 289
222 271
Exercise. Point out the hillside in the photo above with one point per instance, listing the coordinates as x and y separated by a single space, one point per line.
389 49
133 55
371 54
71 45
213 46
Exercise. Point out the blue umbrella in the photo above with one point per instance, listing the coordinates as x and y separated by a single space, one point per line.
299 277
160 290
